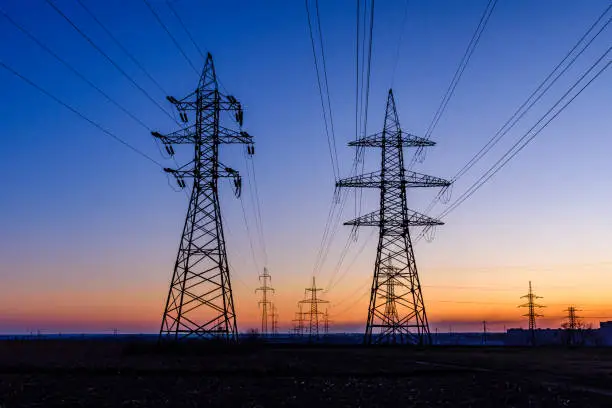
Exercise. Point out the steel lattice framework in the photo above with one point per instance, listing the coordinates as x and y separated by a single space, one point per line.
200 302
532 306
397 311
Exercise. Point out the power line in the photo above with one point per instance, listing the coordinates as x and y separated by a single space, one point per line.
109 59
333 158
178 46
72 69
526 138
180 20
457 76
517 115
523 109
81 115
331 117
399 42
511 154
122 48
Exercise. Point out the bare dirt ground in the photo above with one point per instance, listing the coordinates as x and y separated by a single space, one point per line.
50 373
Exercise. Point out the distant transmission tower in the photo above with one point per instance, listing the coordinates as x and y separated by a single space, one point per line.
298 328
265 303
326 322
393 220
572 324
274 319
200 302
313 316
531 312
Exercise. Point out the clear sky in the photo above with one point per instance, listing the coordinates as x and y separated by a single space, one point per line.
89 230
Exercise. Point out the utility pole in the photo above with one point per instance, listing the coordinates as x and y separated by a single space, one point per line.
531 312
265 303
200 302
313 315
393 220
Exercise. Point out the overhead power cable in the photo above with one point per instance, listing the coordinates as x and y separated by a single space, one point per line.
121 47
527 137
109 59
330 138
180 20
467 55
81 115
399 43
531 100
174 41
73 69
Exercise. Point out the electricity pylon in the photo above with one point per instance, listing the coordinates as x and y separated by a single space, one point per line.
298 328
274 319
572 324
531 306
326 322
265 303
200 302
394 220
313 315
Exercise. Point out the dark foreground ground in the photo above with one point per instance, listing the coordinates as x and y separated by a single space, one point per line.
49 373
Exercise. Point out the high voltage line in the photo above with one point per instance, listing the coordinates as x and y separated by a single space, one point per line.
331 142
450 91
121 47
109 59
81 115
525 139
523 109
174 41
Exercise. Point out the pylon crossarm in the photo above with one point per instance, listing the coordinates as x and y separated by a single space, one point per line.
405 140
413 219
375 180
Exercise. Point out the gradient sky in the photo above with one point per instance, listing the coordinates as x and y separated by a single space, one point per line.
89 230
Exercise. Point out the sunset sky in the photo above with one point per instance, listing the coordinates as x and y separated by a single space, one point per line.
89 230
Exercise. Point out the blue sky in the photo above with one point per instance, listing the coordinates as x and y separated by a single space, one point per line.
87 224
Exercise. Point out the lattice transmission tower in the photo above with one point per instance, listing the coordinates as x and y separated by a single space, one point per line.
313 316
200 302
531 314
404 319
265 304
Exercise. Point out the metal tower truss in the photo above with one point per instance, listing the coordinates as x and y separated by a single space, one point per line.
397 311
200 302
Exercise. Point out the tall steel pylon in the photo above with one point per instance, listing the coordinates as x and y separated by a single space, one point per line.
393 220
265 303
200 302
531 314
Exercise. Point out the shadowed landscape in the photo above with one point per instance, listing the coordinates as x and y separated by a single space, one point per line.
94 373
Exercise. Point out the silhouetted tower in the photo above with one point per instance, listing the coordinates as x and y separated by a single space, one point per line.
200 302
298 328
265 303
531 312
326 322
274 319
390 316
394 220
572 324
312 317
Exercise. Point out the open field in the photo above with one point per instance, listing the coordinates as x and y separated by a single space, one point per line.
90 373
